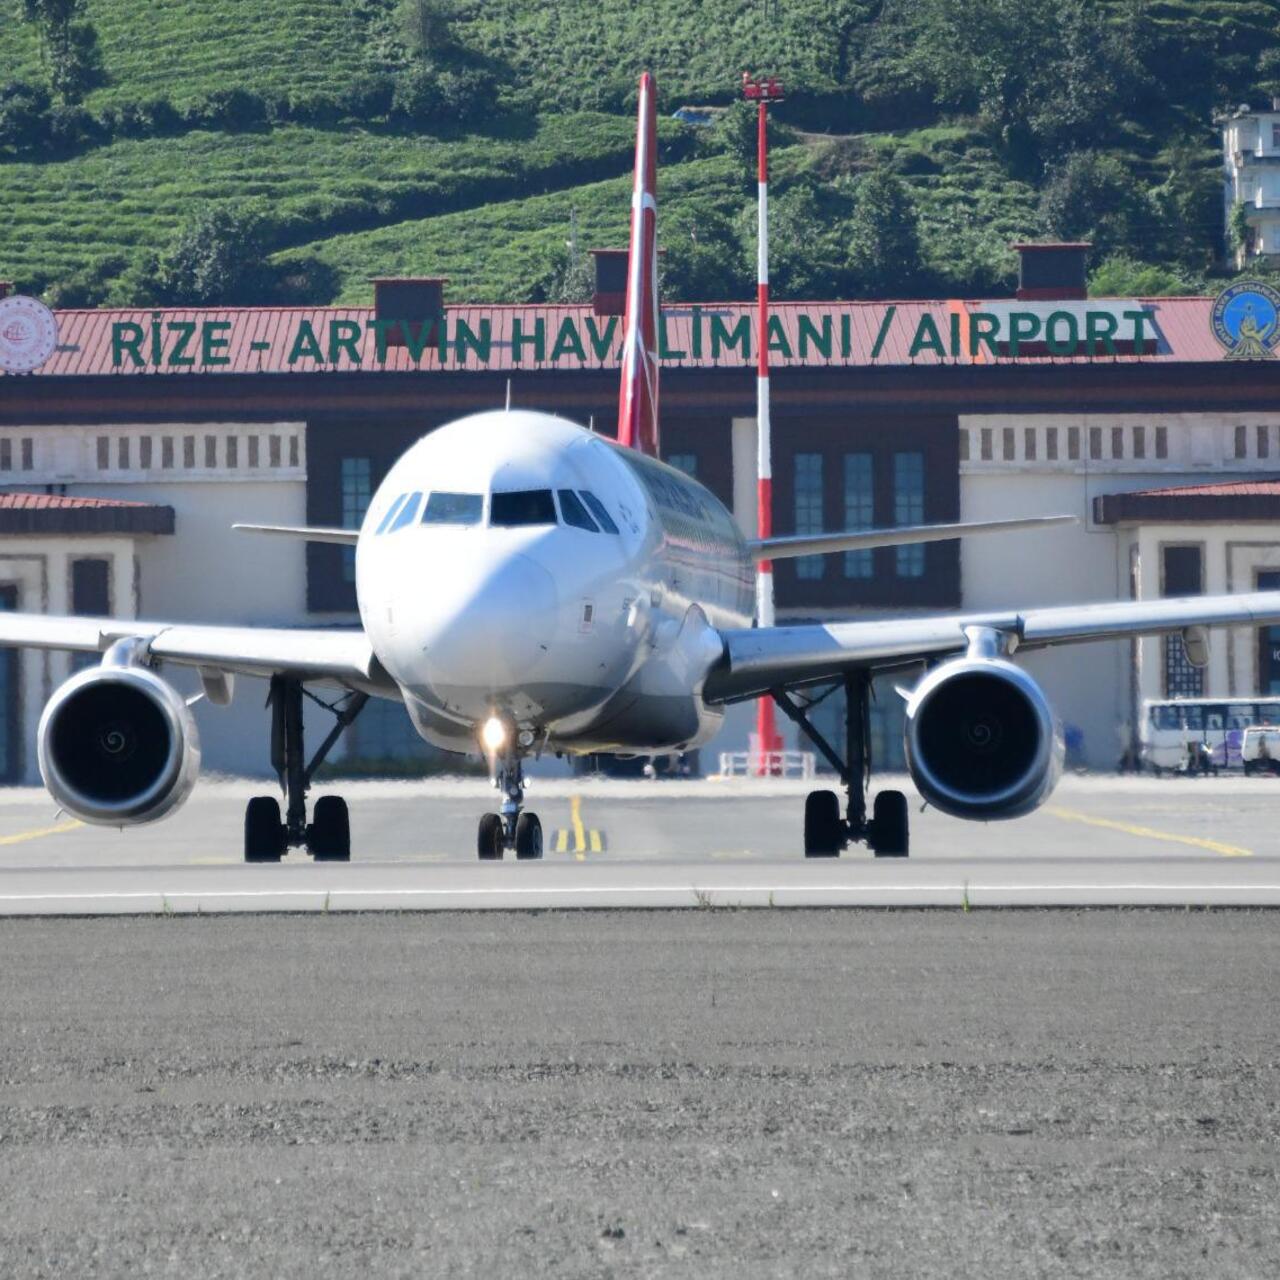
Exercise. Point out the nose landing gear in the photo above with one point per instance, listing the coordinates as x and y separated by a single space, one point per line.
509 829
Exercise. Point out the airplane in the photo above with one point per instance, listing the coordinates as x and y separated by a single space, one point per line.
526 585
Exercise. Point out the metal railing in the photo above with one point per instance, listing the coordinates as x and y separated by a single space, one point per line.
768 764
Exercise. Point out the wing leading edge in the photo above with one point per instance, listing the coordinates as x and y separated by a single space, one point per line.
764 658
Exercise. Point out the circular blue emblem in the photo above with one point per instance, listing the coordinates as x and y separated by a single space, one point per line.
1246 320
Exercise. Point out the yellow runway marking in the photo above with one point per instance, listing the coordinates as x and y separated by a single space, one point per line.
579 835
1150 833
577 839
22 836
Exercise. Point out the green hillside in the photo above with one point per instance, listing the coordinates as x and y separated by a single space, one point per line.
226 151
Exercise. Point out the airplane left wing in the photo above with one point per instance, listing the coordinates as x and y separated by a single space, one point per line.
342 656
765 658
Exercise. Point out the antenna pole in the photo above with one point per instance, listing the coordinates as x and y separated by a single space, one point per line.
763 90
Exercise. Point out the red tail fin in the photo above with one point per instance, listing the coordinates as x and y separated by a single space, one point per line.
638 399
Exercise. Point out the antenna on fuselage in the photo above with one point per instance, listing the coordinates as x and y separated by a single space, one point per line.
591 424
508 395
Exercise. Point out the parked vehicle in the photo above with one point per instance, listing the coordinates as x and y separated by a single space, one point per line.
1260 750
1171 726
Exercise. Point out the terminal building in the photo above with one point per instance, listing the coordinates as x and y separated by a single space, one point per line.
128 453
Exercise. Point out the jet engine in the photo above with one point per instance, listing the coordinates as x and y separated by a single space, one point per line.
118 746
982 741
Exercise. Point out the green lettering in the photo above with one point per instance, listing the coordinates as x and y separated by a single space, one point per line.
696 326
1024 326
156 340
211 341
1061 346
415 344
983 327
778 340
927 336
722 337
600 343
567 341
666 352
883 333
1100 326
1140 319
305 344
466 337
846 337
537 340
343 336
809 332
955 333
185 329
126 336
381 328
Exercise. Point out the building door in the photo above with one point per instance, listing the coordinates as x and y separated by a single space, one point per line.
1269 643
10 736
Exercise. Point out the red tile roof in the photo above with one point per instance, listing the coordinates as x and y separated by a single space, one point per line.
57 513
272 339
1227 502
62 502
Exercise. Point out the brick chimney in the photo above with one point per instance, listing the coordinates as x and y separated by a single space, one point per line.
610 296
411 300
1052 272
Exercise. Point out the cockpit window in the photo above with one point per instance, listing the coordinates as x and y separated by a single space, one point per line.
574 513
391 513
597 510
522 506
453 508
407 514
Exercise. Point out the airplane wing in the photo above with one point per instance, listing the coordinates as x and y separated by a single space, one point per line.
306 533
343 656
764 658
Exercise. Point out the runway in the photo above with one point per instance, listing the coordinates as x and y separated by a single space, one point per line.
701 844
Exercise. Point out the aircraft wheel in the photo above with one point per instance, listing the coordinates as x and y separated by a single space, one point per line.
329 835
490 838
889 834
823 826
528 836
264 833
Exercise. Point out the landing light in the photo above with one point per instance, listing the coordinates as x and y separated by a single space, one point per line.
494 733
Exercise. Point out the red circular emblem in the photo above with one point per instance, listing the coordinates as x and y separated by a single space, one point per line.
28 334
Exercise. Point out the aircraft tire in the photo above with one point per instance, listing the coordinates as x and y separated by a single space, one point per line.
823 827
528 836
890 830
329 835
489 839
264 834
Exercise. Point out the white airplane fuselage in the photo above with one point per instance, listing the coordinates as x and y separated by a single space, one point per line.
515 565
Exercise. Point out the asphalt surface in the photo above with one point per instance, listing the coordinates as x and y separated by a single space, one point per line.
712 1093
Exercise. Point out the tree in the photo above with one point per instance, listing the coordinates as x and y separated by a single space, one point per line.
426 25
69 44
1122 276
218 258
703 259
806 245
1091 196
24 116
1188 205
883 236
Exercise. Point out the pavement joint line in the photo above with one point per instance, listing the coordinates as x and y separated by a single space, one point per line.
58 827
1151 833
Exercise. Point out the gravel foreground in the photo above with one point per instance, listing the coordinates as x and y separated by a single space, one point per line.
700 1093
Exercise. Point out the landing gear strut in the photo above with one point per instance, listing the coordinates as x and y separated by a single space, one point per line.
327 837
826 833
510 829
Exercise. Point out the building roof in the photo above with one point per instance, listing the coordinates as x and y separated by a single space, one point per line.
51 513
274 340
1229 502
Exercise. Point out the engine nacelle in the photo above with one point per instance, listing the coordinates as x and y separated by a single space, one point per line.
982 741
118 746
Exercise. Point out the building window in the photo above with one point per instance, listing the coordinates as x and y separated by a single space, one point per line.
1162 442
166 452
90 597
293 451
122 453
233 451
859 511
253 451
1008 447
908 508
1095 442
1139 442
357 489
273 451
1263 435
1051 443
1029 443
189 452
1073 444
1182 574
6 455
104 453
686 462
210 452
809 509
1242 443
964 446
144 453
1117 442
986 444
28 454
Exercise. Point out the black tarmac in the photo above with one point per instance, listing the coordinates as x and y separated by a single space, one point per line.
719 1093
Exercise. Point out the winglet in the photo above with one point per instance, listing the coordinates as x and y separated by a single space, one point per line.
638 396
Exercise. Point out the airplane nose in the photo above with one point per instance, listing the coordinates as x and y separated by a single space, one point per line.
491 630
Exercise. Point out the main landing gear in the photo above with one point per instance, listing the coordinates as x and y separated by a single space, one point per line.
327 837
510 829
826 833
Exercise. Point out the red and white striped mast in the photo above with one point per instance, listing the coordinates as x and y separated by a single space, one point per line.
763 90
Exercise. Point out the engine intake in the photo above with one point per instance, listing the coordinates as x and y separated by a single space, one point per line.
118 746
982 740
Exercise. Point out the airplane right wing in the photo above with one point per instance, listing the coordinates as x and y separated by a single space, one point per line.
758 660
